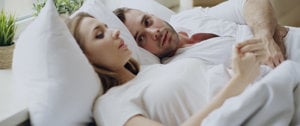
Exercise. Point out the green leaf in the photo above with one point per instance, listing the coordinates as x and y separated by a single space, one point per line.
62 6
7 28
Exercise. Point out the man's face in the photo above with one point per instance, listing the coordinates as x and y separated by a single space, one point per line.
152 33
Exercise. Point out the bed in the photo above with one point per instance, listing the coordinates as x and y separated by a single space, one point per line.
62 92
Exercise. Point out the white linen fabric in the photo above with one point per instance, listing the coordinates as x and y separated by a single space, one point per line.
231 10
292 44
205 20
196 21
52 74
166 93
272 101
212 51
182 86
237 113
223 19
291 41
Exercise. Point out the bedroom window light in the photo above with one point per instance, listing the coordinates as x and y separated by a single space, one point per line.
22 9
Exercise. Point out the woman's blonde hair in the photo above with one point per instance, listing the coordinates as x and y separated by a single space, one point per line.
108 78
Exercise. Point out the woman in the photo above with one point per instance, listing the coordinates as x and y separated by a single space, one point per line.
110 57
105 50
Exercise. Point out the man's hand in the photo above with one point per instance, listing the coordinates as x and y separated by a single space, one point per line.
265 49
279 35
274 54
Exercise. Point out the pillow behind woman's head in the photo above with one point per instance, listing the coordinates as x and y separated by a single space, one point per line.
52 74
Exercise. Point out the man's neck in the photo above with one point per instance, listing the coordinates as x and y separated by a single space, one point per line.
184 40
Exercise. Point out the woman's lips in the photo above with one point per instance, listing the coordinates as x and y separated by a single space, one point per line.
122 44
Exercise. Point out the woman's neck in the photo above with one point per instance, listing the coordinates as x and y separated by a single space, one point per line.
125 75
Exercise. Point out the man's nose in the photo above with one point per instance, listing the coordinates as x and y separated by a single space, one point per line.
154 33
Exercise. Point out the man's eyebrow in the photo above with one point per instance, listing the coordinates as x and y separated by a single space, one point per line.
135 35
143 19
142 22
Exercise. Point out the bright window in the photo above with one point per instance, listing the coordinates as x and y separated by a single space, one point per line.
21 8
23 11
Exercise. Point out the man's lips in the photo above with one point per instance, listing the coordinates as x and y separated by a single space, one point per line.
164 38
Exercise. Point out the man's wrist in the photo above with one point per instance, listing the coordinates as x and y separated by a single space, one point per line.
264 34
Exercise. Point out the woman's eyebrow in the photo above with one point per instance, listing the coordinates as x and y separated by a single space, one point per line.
96 28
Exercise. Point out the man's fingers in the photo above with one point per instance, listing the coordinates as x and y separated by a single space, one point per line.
278 59
269 63
252 47
281 59
275 60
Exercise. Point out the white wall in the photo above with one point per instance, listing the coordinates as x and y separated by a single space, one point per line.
18 7
1 4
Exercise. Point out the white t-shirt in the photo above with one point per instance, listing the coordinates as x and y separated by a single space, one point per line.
169 93
225 20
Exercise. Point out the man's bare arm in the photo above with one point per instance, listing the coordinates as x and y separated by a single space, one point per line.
260 16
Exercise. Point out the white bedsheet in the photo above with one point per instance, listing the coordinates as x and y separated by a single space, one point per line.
272 101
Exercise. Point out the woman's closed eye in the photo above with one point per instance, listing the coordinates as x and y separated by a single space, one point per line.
100 36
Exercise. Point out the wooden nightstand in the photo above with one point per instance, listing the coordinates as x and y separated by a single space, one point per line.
10 113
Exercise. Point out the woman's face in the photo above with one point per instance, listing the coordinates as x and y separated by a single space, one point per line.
102 45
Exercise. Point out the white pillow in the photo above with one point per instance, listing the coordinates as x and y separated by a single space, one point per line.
52 74
104 13
150 6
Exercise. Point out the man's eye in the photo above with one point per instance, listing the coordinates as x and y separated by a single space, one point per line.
140 39
100 36
147 22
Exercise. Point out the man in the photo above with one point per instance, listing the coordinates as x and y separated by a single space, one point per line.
161 39
166 41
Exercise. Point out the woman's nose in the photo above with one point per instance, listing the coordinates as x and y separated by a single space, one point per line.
116 33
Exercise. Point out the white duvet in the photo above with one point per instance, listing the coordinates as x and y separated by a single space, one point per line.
272 101
186 85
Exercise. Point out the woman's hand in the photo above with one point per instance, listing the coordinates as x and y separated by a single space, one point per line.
266 50
245 66
254 46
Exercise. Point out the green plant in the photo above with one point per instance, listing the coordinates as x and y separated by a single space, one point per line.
7 28
62 6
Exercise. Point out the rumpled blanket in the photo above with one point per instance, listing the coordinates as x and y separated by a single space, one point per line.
272 101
